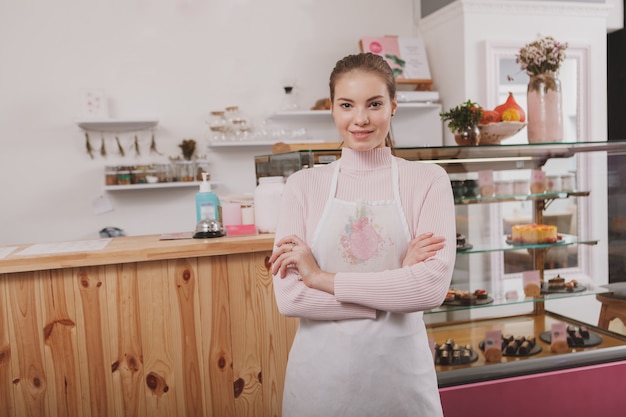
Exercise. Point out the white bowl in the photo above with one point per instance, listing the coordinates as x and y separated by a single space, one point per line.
494 133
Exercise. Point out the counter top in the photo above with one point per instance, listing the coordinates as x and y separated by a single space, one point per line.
135 249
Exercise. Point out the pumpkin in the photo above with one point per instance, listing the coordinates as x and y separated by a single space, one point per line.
490 116
510 103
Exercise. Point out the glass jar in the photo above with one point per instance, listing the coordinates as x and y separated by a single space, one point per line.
163 172
218 126
123 176
110 175
201 166
185 170
138 175
151 175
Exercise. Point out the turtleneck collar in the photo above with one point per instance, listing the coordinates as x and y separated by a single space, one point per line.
366 160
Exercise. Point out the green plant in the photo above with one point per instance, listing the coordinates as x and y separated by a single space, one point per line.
463 116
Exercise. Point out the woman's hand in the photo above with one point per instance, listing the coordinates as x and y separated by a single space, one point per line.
421 248
292 252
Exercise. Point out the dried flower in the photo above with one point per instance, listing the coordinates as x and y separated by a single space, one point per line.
540 56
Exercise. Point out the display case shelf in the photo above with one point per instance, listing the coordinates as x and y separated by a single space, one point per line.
512 293
485 247
521 197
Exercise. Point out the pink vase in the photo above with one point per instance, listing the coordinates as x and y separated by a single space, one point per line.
544 109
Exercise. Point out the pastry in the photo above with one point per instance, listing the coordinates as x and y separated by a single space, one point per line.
451 353
533 233
559 346
493 354
556 283
460 241
532 290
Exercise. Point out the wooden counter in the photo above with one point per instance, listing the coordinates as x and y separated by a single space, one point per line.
173 328
136 249
143 327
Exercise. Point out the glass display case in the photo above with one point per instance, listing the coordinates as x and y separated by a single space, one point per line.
488 262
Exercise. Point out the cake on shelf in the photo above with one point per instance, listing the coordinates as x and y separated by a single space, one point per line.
533 233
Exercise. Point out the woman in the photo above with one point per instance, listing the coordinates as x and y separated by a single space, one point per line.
364 245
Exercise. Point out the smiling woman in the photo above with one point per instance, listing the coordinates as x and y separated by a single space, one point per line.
376 245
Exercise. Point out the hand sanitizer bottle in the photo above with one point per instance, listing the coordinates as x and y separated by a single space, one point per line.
207 203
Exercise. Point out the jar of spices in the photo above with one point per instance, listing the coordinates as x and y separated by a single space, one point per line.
123 176
163 172
138 176
470 188
185 170
110 175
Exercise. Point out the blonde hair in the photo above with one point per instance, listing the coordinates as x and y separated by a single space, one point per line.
367 62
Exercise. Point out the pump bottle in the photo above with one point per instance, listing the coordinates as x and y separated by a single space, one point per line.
207 203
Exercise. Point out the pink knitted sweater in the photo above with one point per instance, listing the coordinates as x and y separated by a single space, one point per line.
427 200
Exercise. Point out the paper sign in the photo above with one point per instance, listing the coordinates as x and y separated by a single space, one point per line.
485 183
493 339
405 55
531 277
6 251
65 247
558 332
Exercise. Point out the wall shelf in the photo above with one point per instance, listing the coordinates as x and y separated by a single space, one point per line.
116 125
180 184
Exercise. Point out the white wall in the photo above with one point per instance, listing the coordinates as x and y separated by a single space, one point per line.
176 60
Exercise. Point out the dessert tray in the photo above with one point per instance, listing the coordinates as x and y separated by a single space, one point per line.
457 297
452 354
546 290
475 302
515 349
589 340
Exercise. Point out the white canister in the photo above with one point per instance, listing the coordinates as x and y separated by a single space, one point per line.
553 183
267 196
504 188
568 182
521 187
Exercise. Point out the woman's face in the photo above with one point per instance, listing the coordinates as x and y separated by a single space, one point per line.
362 110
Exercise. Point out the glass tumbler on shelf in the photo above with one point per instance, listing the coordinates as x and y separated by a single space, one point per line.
241 130
231 114
185 170
201 164
218 126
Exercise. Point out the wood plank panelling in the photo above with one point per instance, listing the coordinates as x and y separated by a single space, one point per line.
178 337
245 335
29 379
161 333
6 394
93 333
216 329
61 351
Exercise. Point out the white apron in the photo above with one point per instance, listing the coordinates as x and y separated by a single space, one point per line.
361 367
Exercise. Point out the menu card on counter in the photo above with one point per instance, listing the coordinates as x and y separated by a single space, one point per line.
65 247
